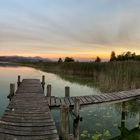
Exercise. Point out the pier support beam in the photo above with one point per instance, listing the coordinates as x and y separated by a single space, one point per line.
67 91
49 90
43 82
64 122
76 123
123 115
18 81
123 129
12 91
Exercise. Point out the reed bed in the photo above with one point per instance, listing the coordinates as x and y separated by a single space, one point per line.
108 76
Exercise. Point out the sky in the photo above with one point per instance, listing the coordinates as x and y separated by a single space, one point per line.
82 29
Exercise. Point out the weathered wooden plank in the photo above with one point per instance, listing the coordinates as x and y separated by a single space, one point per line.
63 101
117 97
102 98
74 98
49 100
28 114
58 102
99 100
71 101
53 101
94 99
121 95
67 101
22 120
26 117
89 99
82 99
22 124
28 133
33 129
106 98
12 137
110 97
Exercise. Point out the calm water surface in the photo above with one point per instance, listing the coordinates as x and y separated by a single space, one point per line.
100 122
108 122
9 75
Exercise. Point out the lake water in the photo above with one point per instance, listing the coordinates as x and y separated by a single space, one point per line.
99 122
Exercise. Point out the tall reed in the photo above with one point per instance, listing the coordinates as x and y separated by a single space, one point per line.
109 76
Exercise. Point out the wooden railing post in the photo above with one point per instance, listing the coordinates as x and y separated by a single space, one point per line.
76 123
123 115
49 90
64 122
12 91
67 91
18 81
43 81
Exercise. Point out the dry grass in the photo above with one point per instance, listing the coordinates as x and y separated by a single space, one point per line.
109 76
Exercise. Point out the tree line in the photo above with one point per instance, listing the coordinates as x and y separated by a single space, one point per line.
113 57
124 56
70 59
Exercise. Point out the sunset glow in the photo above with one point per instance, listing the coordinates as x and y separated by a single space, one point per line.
83 29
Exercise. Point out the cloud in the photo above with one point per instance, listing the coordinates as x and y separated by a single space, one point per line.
87 27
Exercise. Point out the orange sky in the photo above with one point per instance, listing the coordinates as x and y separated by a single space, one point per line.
83 53
80 29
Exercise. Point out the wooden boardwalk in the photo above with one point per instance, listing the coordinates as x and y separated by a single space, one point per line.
28 116
94 99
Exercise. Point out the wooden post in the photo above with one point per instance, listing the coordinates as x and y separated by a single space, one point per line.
139 118
49 89
77 107
67 91
12 91
43 81
18 81
76 124
123 118
64 122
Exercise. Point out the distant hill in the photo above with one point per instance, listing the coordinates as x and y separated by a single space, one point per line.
23 59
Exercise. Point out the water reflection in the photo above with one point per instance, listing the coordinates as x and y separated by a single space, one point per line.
108 122
128 134
82 80
115 122
8 74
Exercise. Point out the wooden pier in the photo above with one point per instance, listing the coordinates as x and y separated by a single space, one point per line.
94 99
28 116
